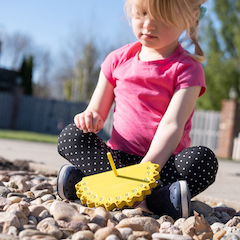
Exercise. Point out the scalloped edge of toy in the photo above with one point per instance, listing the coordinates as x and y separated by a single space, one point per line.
123 202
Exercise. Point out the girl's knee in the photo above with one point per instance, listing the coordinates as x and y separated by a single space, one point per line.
198 165
207 157
67 131
68 137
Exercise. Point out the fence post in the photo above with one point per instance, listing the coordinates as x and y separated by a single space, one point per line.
228 128
15 109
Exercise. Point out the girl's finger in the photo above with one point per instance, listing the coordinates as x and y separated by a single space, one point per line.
76 121
82 123
89 121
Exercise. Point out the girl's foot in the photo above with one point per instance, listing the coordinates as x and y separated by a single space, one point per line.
67 177
173 200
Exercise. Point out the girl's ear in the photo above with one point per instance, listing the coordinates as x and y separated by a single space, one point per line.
196 15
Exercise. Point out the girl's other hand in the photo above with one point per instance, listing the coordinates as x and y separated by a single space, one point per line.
89 121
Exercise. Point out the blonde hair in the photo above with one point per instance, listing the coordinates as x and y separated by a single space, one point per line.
166 11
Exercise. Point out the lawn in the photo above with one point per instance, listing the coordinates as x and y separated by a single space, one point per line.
28 136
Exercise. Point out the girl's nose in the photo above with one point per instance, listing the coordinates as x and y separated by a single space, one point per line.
149 24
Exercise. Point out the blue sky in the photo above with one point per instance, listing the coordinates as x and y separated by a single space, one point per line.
50 23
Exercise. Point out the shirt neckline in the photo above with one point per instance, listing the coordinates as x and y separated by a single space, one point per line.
168 59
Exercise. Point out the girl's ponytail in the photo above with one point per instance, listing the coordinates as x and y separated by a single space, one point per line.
199 55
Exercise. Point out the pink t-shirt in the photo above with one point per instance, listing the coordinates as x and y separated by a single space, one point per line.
143 91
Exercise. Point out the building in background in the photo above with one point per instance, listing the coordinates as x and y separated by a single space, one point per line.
11 81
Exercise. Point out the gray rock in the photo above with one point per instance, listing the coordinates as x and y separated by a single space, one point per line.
47 197
4 191
30 233
212 219
64 211
202 208
29 226
149 224
35 210
228 210
41 237
4 201
21 217
103 233
93 227
43 186
166 218
41 193
112 237
225 217
132 212
44 214
46 218
119 216
13 194
169 228
4 236
125 232
230 236
83 235
233 222
50 226
21 206
77 226
7 220
32 220
162 236
217 214
217 226
13 231
233 230
178 223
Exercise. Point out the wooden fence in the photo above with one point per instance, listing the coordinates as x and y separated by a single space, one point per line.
205 128
236 148
50 116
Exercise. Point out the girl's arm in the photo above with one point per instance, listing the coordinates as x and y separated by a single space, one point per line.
93 118
171 127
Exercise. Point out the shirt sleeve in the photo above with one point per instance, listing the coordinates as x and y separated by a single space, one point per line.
115 59
108 67
190 74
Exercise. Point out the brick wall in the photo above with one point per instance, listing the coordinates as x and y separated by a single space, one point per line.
228 128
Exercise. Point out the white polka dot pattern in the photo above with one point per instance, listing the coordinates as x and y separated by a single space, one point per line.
197 165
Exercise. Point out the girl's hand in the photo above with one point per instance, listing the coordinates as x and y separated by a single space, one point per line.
89 121
93 118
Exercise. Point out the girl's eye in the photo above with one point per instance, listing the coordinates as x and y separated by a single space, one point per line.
135 15
145 13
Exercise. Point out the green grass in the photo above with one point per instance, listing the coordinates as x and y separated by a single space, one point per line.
28 136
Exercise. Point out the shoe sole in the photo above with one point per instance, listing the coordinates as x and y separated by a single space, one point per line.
60 182
184 198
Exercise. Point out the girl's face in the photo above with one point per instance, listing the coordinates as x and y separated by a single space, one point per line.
153 33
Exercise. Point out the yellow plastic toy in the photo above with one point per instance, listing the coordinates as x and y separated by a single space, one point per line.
118 188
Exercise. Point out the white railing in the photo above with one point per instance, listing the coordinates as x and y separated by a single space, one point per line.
236 148
205 128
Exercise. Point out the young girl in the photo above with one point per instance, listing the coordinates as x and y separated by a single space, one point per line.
155 84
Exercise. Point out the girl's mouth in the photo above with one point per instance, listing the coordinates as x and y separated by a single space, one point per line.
148 36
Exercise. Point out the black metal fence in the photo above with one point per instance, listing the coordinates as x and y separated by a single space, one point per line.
51 116
38 115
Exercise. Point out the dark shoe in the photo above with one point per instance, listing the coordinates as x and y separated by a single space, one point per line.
67 177
173 200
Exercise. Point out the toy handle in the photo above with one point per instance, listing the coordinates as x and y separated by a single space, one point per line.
110 158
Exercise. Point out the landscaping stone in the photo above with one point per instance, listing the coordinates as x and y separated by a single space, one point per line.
31 209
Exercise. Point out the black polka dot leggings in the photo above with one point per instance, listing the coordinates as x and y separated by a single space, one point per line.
197 165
